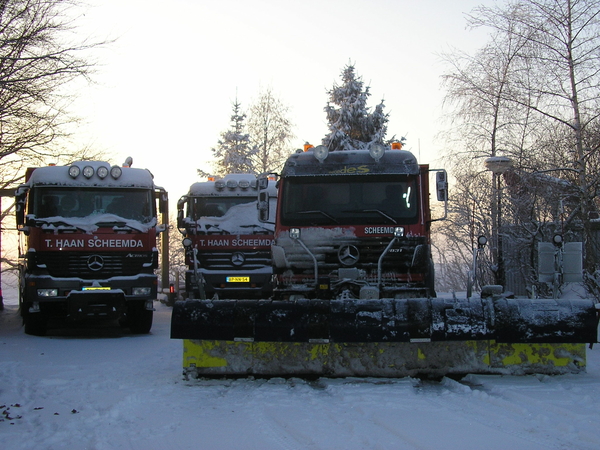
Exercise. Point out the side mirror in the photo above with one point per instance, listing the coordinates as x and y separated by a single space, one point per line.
180 212
263 182
180 223
20 213
163 200
20 199
441 181
263 206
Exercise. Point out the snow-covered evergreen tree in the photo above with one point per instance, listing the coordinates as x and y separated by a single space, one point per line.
351 124
234 153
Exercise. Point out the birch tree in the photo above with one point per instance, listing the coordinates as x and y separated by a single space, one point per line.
532 94
563 57
271 132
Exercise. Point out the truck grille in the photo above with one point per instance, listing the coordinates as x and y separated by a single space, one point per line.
223 260
107 264
402 257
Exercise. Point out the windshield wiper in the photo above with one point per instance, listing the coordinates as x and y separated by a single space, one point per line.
378 211
318 211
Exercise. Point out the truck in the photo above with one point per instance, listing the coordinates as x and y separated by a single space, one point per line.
88 245
228 250
354 291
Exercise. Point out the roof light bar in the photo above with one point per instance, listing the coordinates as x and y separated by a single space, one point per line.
74 171
102 171
88 171
376 151
115 172
321 152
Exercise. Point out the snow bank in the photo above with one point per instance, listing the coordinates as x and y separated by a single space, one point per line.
103 388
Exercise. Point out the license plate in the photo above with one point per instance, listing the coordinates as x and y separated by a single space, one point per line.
238 279
92 288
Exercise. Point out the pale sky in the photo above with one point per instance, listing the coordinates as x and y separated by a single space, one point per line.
164 89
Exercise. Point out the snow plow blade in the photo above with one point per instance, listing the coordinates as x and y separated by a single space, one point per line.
384 337
204 358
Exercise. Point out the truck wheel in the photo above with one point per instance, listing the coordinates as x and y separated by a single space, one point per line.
36 324
140 320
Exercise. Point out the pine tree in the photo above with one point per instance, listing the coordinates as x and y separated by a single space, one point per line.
351 124
234 152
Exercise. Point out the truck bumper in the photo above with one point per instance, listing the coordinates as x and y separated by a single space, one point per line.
79 299
233 285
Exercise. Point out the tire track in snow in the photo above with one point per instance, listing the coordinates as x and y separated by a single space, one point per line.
565 411
335 417
499 411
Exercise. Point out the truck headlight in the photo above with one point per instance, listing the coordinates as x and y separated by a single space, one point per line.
320 152
88 171
376 151
141 291
74 171
47 292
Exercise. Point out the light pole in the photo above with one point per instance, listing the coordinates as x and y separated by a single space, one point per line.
498 165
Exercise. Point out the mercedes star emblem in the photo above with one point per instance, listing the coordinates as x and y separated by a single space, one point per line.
238 258
348 255
95 263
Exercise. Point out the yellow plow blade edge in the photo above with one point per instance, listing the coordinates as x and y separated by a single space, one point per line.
213 358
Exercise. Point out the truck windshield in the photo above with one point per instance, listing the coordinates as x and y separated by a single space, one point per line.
129 204
349 200
214 206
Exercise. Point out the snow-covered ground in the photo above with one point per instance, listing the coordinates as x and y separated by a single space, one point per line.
107 389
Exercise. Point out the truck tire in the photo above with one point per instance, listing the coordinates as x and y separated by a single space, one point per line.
140 320
36 324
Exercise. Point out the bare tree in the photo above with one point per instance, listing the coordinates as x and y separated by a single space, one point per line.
483 124
37 62
270 132
562 56
530 94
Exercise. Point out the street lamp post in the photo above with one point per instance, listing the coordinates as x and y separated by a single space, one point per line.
498 165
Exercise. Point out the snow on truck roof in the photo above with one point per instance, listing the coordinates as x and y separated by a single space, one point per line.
232 185
350 162
91 174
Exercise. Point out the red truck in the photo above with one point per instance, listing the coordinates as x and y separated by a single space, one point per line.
349 225
228 250
88 246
